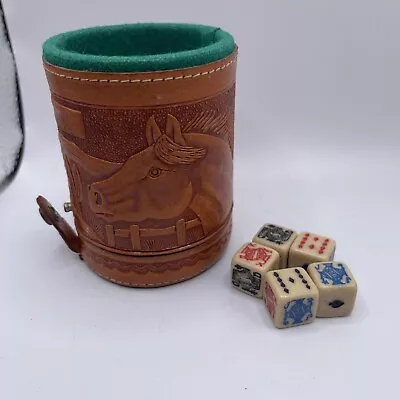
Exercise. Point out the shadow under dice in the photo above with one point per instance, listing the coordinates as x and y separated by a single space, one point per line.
310 248
337 288
277 238
249 266
291 297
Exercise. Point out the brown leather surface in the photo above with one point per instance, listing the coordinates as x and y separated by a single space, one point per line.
149 163
143 89
69 121
157 271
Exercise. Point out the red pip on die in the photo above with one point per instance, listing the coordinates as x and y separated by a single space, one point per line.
309 248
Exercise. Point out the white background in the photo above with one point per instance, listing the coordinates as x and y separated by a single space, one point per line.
317 148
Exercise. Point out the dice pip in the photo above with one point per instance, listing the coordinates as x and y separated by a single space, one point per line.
249 266
309 248
337 288
277 238
291 297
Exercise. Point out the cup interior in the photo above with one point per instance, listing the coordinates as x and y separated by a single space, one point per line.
138 47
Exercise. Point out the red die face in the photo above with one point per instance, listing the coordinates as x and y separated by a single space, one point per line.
253 252
270 300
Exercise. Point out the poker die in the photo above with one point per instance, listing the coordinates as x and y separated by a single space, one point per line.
291 297
249 266
337 288
309 248
277 238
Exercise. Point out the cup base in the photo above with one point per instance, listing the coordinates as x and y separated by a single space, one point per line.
157 271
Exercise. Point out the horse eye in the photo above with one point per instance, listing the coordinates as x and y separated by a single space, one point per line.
155 172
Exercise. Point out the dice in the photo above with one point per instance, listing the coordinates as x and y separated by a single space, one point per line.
337 288
310 248
277 238
291 297
249 266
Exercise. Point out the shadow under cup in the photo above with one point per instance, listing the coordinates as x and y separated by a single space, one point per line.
145 116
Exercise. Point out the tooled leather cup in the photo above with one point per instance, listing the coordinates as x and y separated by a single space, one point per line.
145 116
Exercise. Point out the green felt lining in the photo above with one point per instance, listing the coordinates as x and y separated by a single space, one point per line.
138 47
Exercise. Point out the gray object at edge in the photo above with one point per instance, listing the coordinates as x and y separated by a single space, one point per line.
11 118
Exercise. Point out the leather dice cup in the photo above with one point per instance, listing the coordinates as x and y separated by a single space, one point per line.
145 116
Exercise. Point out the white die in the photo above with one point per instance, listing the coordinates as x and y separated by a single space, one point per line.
249 266
291 297
337 288
277 238
309 248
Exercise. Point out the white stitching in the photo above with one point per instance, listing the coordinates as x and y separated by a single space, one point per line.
169 78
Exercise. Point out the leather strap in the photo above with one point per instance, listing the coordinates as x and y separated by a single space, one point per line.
52 217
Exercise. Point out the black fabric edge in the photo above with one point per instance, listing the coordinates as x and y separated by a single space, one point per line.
18 158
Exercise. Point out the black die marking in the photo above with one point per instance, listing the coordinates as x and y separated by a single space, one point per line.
275 234
336 303
303 280
279 279
246 279
291 280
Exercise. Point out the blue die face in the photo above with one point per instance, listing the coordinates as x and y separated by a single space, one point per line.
298 311
333 274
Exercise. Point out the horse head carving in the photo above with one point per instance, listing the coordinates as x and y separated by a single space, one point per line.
154 183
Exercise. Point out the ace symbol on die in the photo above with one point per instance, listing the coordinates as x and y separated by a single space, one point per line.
337 288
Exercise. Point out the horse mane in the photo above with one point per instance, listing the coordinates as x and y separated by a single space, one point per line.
172 153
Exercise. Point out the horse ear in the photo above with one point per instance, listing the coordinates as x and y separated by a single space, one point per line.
153 132
174 130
